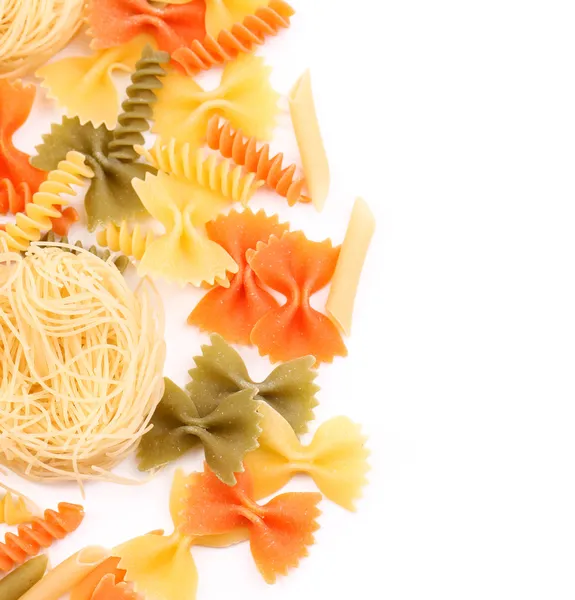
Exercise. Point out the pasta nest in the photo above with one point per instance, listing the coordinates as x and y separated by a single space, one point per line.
81 360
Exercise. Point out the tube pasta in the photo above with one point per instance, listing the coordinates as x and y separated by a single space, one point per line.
68 574
217 175
244 151
349 265
45 202
238 38
17 583
310 144
131 242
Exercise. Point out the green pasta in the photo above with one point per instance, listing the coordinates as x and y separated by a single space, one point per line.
289 389
137 108
227 433
17 583
110 197
121 261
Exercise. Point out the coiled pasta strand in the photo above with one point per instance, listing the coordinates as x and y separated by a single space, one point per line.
41 533
130 242
243 38
14 198
211 172
121 261
137 108
43 207
244 151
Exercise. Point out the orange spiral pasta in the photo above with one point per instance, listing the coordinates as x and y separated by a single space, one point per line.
41 533
244 151
242 38
13 198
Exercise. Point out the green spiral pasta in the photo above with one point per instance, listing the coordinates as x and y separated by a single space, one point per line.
121 261
17 583
137 108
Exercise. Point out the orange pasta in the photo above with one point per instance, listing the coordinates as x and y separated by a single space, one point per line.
280 531
13 198
244 151
115 22
86 588
242 38
297 268
108 589
232 312
40 533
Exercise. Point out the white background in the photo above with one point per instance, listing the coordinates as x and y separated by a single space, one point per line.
456 121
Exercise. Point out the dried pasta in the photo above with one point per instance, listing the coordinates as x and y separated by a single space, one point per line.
67 574
83 85
108 589
227 434
220 371
210 172
17 583
110 197
40 533
336 459
31 31
115 22
245 152
233 311
14 510
121 262
239 37
244 96
222 14
309 141
85 589
80 364
130 242
45 208
280 531
16 101
352 255
137 108
184 254
296 268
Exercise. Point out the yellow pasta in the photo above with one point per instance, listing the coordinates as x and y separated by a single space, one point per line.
309 141
336 459
128 241
211 172
35 220
224 14
352 255
184 253
244 97
14 510
83 85
68 574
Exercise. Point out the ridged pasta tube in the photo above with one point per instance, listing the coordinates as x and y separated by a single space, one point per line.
211 172
130 242
242 38
46 202
137 108
244 151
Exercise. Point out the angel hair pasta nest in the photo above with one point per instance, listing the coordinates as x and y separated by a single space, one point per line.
81 359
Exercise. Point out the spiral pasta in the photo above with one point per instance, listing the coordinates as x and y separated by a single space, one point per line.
130 242
241 38
137 108
244 151
41 533
14 510
13 198
217 175
43 207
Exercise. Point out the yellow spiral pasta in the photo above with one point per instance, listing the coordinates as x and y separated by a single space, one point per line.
220 176
131 242
14 510
45 203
